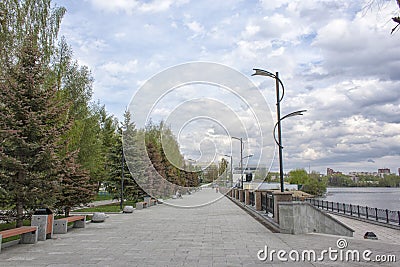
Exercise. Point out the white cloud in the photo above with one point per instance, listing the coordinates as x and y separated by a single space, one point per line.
336 59
115 68
129 6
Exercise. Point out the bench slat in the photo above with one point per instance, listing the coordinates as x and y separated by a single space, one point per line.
17 231
73 218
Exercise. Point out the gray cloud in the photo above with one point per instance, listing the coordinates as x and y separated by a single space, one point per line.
336 58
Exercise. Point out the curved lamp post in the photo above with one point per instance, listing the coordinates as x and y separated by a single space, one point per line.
278 114
230 156
241 159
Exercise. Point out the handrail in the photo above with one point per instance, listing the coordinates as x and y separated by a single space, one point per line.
365 212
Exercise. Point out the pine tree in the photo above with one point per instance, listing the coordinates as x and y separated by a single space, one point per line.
75 185
32 121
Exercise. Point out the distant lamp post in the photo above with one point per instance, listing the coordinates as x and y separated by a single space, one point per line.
122 180
278 113
230 156
241 159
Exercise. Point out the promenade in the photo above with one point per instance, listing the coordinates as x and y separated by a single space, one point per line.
218 234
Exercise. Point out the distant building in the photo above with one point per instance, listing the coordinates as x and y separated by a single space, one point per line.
330 172
363 174
382 172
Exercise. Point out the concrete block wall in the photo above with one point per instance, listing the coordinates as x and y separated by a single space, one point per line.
302 217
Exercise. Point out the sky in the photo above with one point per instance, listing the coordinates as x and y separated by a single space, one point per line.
336 58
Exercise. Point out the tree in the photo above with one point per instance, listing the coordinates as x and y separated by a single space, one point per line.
311 183
19 19
75 185
298 176
396 19
32 122
131 191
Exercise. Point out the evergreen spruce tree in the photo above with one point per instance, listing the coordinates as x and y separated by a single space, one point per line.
32 122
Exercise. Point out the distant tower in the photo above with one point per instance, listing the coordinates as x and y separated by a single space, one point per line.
399 171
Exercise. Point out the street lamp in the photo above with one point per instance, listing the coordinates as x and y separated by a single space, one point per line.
122 180
278 114
241 159
230 156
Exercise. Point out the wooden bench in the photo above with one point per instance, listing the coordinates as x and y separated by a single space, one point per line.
60 226
29 234
141 205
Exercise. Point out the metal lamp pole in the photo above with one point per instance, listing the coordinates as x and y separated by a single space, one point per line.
241 159
279 98
122 180
231 168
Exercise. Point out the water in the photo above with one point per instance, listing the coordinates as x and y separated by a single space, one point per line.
376 197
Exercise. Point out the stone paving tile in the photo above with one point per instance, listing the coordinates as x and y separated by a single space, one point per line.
220 234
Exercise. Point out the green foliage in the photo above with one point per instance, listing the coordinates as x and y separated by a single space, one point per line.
113 138
311 183
390 180
51 136
32 122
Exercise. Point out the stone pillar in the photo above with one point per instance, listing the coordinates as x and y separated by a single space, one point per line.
280 197
247 196
147 200
41 221
236 193
241 195
257 200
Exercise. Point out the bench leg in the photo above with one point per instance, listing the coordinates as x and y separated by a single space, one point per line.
30 238
80 223
60 227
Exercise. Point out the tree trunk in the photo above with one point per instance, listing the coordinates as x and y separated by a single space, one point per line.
66 211
19 204
20 214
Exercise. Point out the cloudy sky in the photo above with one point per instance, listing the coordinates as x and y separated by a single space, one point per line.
336 58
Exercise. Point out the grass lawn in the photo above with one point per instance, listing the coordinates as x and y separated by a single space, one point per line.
100 197
114 207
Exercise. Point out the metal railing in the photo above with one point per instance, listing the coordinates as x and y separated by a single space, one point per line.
369 213
270 203
251 198
267 200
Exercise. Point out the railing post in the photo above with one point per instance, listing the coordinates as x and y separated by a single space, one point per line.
358 210
337 206
351 210
366 211
344 208
246 197
376 213
387 216
398 215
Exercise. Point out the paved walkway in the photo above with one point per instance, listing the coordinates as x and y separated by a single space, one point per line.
384 234
219 234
